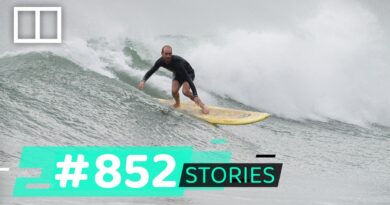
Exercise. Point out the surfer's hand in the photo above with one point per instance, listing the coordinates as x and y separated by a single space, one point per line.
141 85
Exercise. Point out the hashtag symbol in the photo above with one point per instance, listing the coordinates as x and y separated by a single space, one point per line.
76 176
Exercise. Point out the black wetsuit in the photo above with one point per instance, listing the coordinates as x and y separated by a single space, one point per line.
182 71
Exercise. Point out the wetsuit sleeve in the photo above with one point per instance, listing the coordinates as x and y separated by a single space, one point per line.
155 67
194 92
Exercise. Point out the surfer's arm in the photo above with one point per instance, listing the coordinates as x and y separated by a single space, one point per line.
155 67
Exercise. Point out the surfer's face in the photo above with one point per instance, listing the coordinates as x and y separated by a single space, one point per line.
167 55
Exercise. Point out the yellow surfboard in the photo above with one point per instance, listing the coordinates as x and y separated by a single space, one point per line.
219 115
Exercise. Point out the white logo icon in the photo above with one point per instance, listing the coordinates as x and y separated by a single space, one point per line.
37 38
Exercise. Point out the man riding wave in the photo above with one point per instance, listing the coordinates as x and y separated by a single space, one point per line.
183 75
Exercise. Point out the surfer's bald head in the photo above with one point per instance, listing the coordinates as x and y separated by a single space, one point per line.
166 47
166 53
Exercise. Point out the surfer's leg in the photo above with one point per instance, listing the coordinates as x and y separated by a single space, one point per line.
186 90
175 92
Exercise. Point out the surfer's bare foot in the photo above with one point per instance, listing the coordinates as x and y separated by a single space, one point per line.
176 105
205 110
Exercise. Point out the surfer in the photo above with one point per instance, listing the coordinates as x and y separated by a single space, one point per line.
183 74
